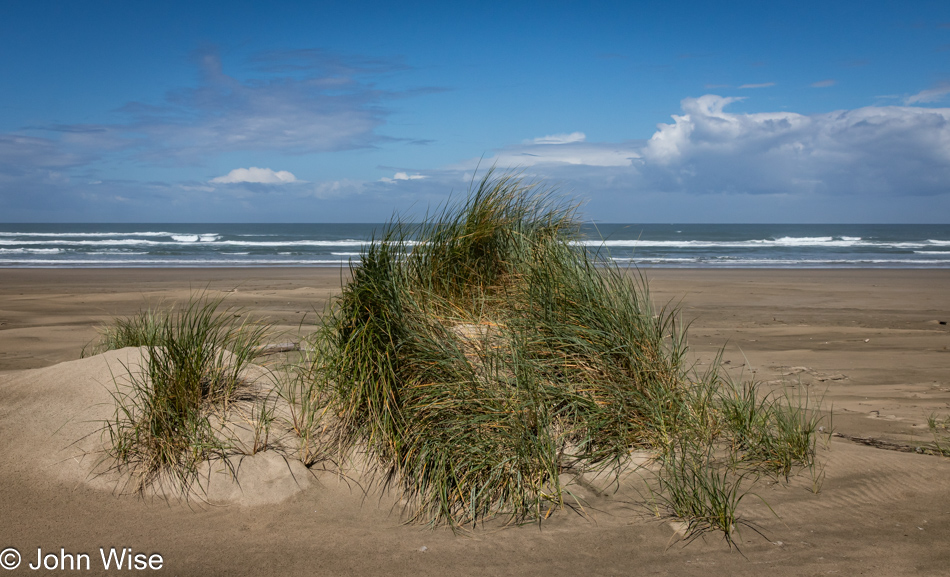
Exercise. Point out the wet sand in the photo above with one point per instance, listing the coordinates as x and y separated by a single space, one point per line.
870 342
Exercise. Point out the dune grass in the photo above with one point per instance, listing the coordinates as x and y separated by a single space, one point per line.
140 330
739 434
480 360
482 354
940 430
306 409
694 487
775 434
193 368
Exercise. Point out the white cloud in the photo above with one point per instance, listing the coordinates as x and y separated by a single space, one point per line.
929 95
705 116
824 83
558 150
402 176
762 85
887 150
585 154
875 152
558 139
255 175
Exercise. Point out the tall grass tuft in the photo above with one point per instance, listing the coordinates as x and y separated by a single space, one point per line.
302 390
481 354
194 367
140 330
940 429
773 434
695 487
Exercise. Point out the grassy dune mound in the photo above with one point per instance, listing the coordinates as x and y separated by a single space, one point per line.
482 356
171 411
481 361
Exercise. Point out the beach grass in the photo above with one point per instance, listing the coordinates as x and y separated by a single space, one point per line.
139 330
479 356
772 433
695 488
940 430
193 368
301 390
480 361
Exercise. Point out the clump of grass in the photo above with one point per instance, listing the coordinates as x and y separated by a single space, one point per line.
940 429
306 408
696 487
733 433
482 354
477 358
140 330
193 368
777 434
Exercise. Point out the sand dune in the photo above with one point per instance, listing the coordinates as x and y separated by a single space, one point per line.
54 427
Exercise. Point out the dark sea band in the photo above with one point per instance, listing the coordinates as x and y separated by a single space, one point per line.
642 245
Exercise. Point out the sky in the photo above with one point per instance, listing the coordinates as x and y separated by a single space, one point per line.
764 112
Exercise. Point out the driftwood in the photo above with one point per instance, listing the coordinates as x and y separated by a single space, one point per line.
889 445
276 348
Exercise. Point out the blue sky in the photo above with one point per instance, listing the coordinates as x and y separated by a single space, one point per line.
349 112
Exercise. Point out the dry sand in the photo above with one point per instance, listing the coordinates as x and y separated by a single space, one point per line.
870 341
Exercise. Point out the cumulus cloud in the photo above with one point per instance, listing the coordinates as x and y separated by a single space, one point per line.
872 150
255 175
875 152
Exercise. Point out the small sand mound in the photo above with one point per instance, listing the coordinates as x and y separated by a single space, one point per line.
52 429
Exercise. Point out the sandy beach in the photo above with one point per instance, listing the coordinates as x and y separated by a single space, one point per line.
874 345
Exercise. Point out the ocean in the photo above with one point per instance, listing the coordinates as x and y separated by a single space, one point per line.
641 245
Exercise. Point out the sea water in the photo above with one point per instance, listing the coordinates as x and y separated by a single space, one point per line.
640 245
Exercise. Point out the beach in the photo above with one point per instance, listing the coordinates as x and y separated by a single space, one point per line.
873 346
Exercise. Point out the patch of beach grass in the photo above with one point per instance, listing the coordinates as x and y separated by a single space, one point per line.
773 433
697 488
480 361
482 354
302 392
940 430
140 330
194 367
